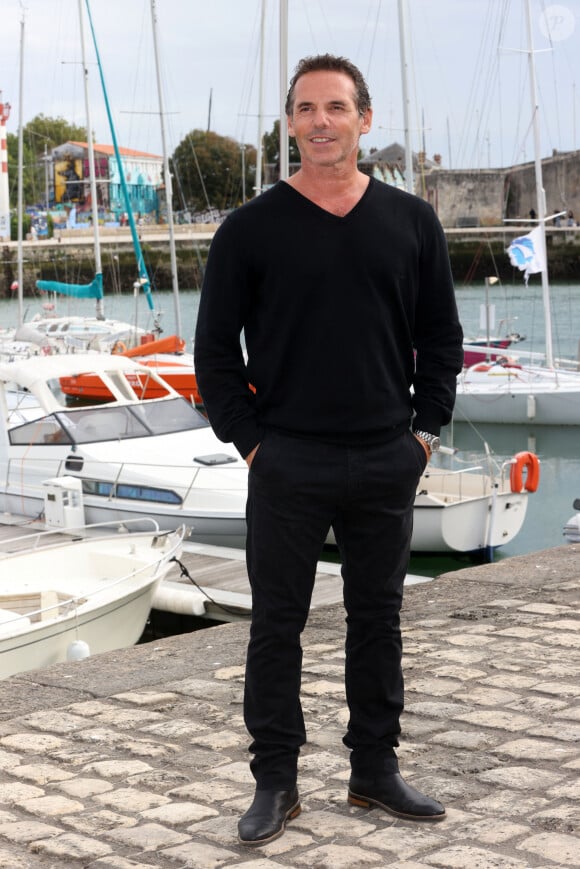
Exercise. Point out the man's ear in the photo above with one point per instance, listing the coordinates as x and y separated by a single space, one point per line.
366 121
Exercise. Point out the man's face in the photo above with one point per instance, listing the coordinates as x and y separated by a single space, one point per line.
325 120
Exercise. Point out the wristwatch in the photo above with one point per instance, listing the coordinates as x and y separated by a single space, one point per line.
432 441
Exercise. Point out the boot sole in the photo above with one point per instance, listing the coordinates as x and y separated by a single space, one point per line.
369 802
290 815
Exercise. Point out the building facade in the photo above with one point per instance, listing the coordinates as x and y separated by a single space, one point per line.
484 197
70 180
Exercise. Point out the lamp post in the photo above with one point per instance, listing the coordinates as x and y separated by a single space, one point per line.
45 160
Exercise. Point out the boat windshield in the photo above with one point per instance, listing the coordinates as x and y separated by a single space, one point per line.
91 424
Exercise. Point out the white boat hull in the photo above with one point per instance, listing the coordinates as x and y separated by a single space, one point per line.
512 395
96 592
447 517
468 526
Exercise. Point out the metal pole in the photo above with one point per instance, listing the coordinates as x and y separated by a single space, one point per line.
409 181
260 143
167 180
243 150
540 193
93 184
284 169
20 268
46 175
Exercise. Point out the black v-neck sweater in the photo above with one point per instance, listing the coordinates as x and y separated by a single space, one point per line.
334 312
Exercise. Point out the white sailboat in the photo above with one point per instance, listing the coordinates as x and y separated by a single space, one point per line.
46 334
516 392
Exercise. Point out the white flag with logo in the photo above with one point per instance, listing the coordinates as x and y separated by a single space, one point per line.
527 253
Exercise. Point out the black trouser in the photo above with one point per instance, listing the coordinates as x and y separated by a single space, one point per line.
298 490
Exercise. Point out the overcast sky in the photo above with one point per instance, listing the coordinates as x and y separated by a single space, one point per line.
469 88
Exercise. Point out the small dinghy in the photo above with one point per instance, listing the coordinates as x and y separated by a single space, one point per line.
78 597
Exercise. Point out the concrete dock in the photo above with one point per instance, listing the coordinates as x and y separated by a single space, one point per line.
138 758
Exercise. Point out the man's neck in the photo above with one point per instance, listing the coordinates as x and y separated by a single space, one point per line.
334 191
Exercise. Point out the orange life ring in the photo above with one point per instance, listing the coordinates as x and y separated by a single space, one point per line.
529 461
119 348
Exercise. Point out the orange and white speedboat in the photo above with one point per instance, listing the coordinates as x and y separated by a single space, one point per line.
166 356
133 458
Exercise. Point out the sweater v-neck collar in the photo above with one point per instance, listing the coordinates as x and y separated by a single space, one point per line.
324 211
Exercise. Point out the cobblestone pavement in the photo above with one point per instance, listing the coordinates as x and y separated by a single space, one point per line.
138 758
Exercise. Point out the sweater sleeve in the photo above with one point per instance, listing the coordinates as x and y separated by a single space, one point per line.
438 334
218 356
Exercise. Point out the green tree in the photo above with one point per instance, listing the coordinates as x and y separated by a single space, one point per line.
207 171
271 146
29 168
39 137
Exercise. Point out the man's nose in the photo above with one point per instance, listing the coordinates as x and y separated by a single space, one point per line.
321 117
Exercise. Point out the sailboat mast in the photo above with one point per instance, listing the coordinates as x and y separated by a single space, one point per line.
540 192
409 181
166 178
260 142
284 146
143 276
93 184
20 270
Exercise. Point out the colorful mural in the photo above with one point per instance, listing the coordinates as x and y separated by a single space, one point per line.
68 175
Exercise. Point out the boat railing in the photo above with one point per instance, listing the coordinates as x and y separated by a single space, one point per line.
191 485
125 473
461 483
35 539
62 604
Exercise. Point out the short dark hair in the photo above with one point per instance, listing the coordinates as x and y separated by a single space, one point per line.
331 63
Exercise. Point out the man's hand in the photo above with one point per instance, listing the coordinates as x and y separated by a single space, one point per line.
250 456
424 444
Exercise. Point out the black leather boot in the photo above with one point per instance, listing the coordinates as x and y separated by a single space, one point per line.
266 818
390 792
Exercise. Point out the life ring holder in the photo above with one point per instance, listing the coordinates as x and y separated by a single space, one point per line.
119 348
531 463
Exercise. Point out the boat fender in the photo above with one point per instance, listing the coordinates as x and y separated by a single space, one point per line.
78 650
531 463
118 348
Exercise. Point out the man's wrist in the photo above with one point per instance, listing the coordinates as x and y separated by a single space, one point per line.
432 441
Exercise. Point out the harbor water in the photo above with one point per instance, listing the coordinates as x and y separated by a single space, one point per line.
517 309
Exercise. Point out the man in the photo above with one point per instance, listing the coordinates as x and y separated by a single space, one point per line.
337 281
